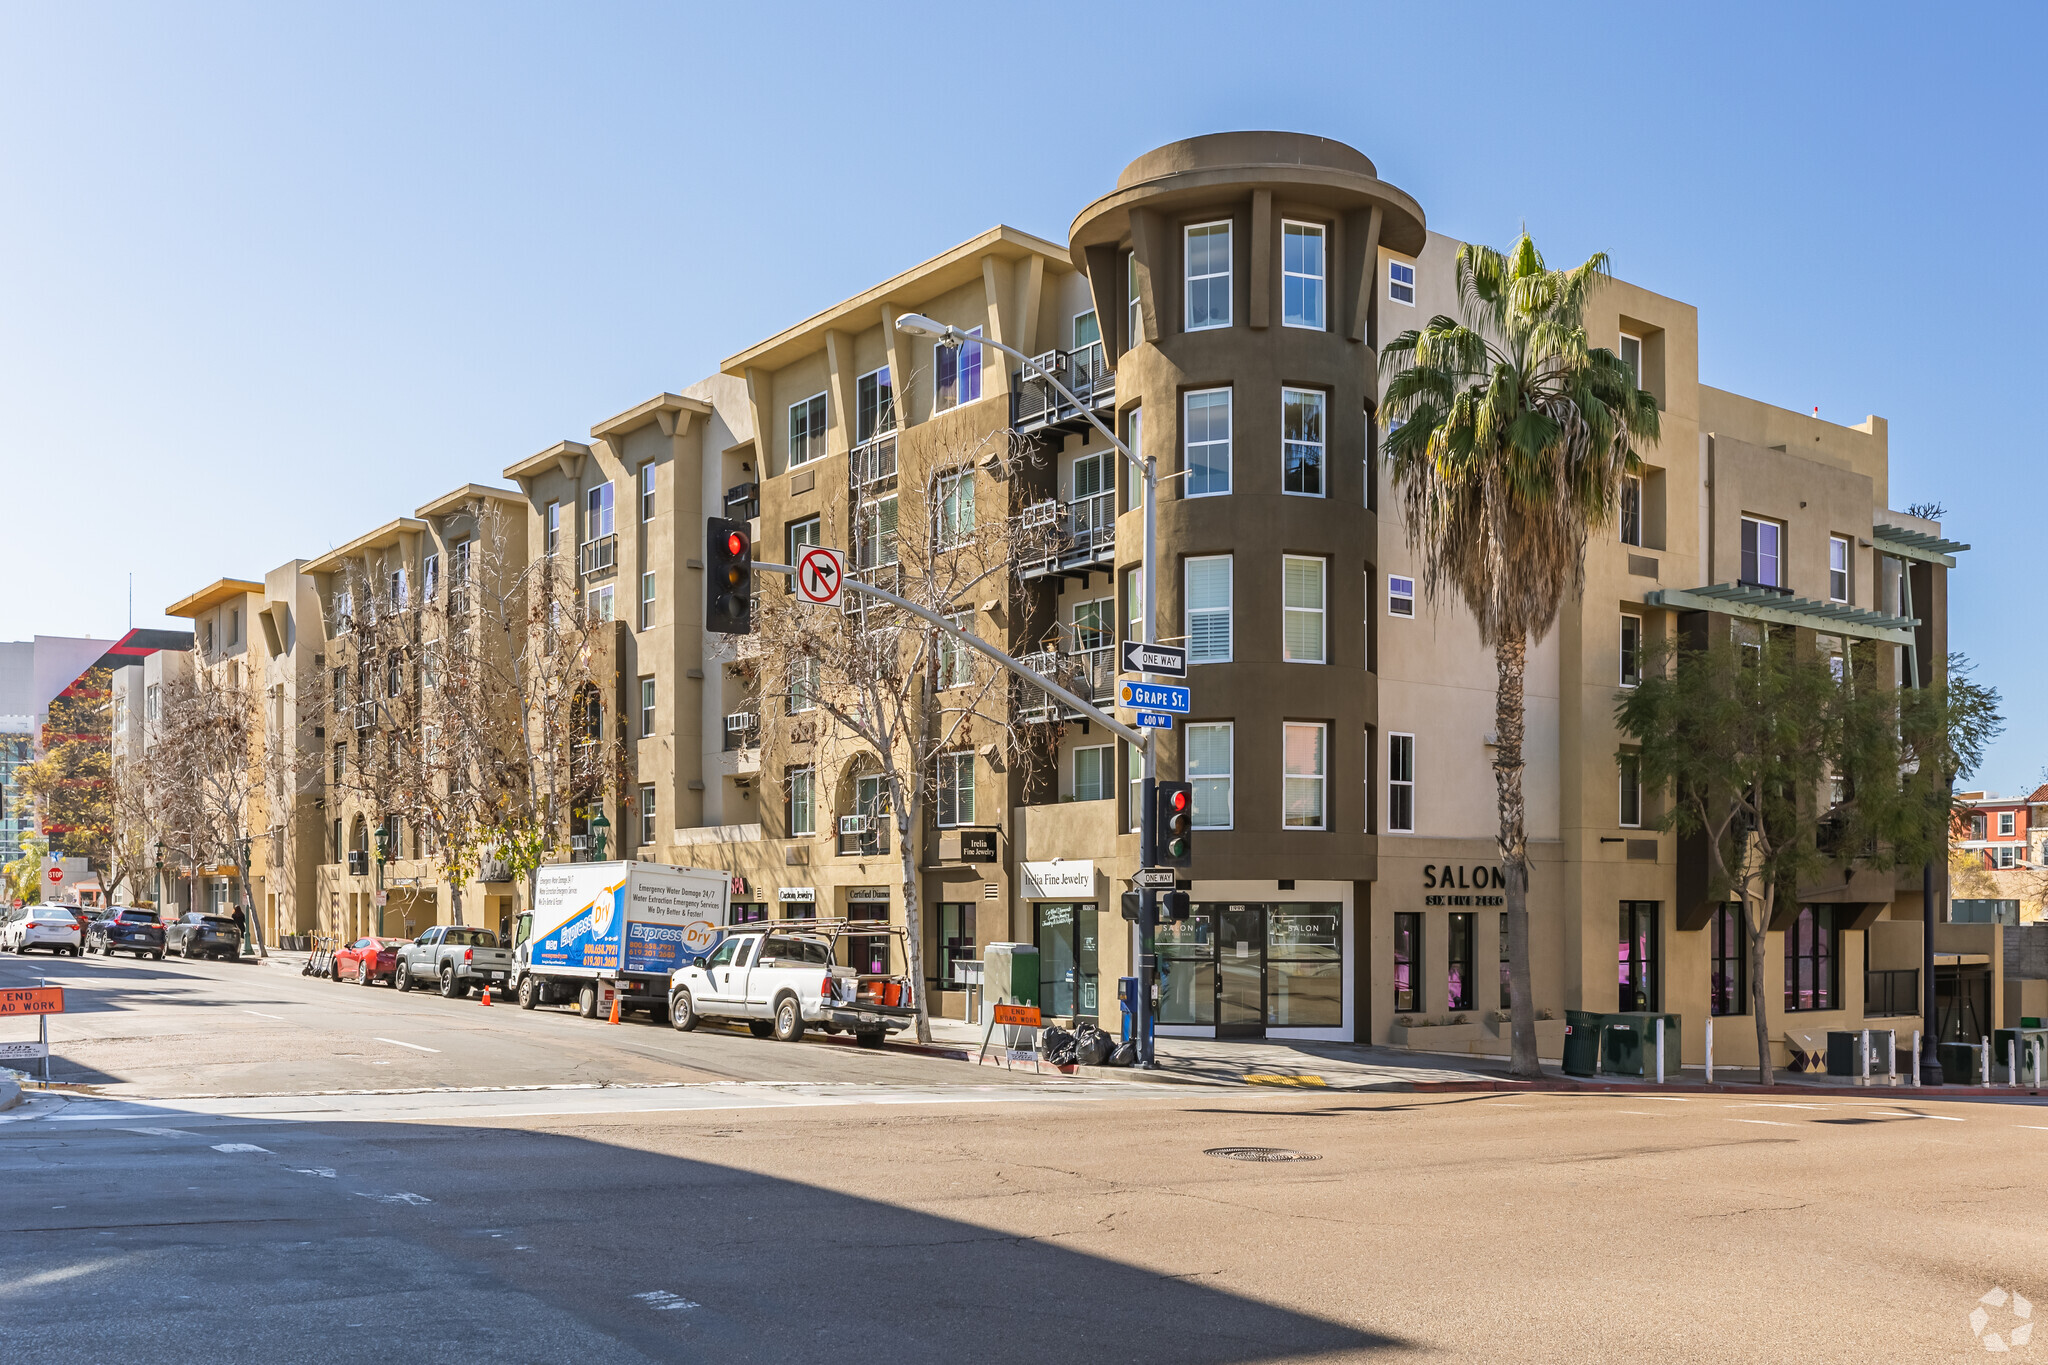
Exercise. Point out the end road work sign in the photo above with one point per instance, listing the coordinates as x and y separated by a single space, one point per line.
31 1000
1155 696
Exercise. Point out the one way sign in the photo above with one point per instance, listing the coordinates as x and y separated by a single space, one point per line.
1170 660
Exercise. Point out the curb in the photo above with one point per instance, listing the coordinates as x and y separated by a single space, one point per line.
10 1092
1898 1093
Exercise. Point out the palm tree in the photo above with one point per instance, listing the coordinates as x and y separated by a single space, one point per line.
1509 437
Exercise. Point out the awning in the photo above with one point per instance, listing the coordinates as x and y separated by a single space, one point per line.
1766 604
1903 543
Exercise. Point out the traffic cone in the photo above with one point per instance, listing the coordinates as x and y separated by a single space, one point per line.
615 1007
487 994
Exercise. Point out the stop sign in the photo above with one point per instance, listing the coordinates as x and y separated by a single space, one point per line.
56 874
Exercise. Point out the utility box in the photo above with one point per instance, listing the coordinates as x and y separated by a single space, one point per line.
1842 1051
1962 1063
1581 1042
1628 1044
1010 974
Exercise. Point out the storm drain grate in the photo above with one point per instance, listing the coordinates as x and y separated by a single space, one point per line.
1260 1154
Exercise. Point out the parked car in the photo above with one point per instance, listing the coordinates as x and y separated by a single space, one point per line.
455 958
368 960
197 934
782 980
127 931
51 927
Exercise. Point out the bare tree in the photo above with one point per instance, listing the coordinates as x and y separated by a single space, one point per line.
204 768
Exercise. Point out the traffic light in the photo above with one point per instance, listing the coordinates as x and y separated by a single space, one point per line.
1175 905
1176 825
728 577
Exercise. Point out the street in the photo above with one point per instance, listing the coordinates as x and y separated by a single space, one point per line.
723 1198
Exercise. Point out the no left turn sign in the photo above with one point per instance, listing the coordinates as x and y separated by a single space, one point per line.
820 574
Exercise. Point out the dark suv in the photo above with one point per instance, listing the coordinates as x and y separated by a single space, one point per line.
126 931
202 935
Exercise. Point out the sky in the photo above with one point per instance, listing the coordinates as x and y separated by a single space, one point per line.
271 275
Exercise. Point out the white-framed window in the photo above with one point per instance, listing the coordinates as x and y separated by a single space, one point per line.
430 665
1301 442
1400 784
797 536
152 701
600 603
1087 350
1205 420
1631 650
956 373
1094 624
647 708
877 533
1632 356
1301 275
554 528
597 512
955 508
1208 609
1401 282
647 491
1208 276
956 789
1134 316
646 601
807 430
646 815
1631 774
1838 568
805 675
1210 758
1095 773
1134 604
1134 785
874 406
1304 758
1400 596
1302 591
1763 545
430 579
2005 824
803 801
1134 438
956 659
2008 856
398 596
1632 510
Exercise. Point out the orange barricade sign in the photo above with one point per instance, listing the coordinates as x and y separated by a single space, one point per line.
42 1000
1017 1016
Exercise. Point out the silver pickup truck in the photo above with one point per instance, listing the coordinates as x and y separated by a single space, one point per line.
454 958
784 978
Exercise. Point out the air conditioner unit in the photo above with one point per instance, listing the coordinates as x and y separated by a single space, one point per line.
740 722
854 824
579 842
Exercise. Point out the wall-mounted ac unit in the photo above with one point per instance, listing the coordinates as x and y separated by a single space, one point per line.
854 824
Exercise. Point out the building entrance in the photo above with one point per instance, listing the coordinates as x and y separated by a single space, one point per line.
1068 970
1245 967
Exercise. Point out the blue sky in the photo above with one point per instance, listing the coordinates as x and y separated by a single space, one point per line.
273 274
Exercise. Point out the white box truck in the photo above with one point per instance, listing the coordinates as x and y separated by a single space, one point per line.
600 928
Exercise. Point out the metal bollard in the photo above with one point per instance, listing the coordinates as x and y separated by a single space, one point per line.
1891 1057
1660 1049
2012 1063
1916 1059
1984 1047
1865 1050
1710 1049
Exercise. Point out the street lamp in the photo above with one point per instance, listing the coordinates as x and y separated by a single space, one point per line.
599 827
159 878
917 324
383 851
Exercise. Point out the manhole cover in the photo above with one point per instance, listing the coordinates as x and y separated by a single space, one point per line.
1260 1154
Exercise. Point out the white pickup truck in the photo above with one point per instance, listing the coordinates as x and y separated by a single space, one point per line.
784 978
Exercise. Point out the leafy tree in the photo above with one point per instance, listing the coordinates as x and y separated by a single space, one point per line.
24 876
1513 438
77 805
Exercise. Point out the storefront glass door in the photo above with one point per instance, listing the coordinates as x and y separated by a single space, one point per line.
1240 970
1068 970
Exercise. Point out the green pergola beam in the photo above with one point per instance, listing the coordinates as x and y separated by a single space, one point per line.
1756 604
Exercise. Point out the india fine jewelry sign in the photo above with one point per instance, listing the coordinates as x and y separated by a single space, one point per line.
1457 879
977 845
1067 879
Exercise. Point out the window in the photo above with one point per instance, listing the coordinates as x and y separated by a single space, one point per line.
1209 772
803 685
1838 568
394 674
1134 787
1094 773
1727 982
797 536
597 512
1302 588
1506 971
646 601
1301 442
1208 276
1134 439
1812 957
206 641
1632 510
877 533
458 582
1400 784
2007 857
1632 356
1401 282
430 578
600 605
1208 610
803 807
396 590
1134 316
1762 544
340 760
1458 985
554 524
2005 824
646 816
874 408
430 665
343 609
956 788
152 700
1304 752
647 500
1631 766
1631 650
1094 624
1407 958
1087 343
235 618
1134 604
956 374
807 431
646 708
956 659
956 508
1207 425
1301 275
1636 956
1400 596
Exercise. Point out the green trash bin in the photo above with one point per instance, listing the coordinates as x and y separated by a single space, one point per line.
1629 1044
1581 1043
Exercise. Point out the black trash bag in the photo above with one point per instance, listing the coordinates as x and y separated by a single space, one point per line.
1123 1054
1091 1045
1056 1045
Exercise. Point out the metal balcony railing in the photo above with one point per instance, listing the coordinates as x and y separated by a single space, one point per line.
873 466
1072 537
600 557
1035 404
1087 673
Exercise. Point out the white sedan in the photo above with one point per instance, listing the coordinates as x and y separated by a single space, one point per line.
54 927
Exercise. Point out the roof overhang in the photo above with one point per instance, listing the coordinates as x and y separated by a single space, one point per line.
1904 543
1762 604
383 538
671 411
451 504
566 456
212 595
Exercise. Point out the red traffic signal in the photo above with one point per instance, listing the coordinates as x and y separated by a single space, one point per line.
728 577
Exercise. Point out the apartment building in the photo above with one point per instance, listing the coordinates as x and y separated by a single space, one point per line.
1998 858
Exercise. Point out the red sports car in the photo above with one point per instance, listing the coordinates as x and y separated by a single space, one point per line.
368 960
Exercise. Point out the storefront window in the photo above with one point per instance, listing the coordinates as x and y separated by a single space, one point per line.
1407 957
1187 970
1726 986
1636 956
1811 958
748 914
1458 981
1067 959
1305 966
868 954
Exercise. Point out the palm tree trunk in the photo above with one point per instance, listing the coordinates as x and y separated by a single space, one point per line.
1511 658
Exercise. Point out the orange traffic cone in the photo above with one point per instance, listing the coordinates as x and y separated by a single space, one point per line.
487 995
615 1007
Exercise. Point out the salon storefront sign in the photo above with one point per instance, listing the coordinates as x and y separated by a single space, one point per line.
1463 884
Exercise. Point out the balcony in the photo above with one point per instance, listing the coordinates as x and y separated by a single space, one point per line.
358 862
862 836
743 502
1036 406
599 558
1074 538
1088 673
873 466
